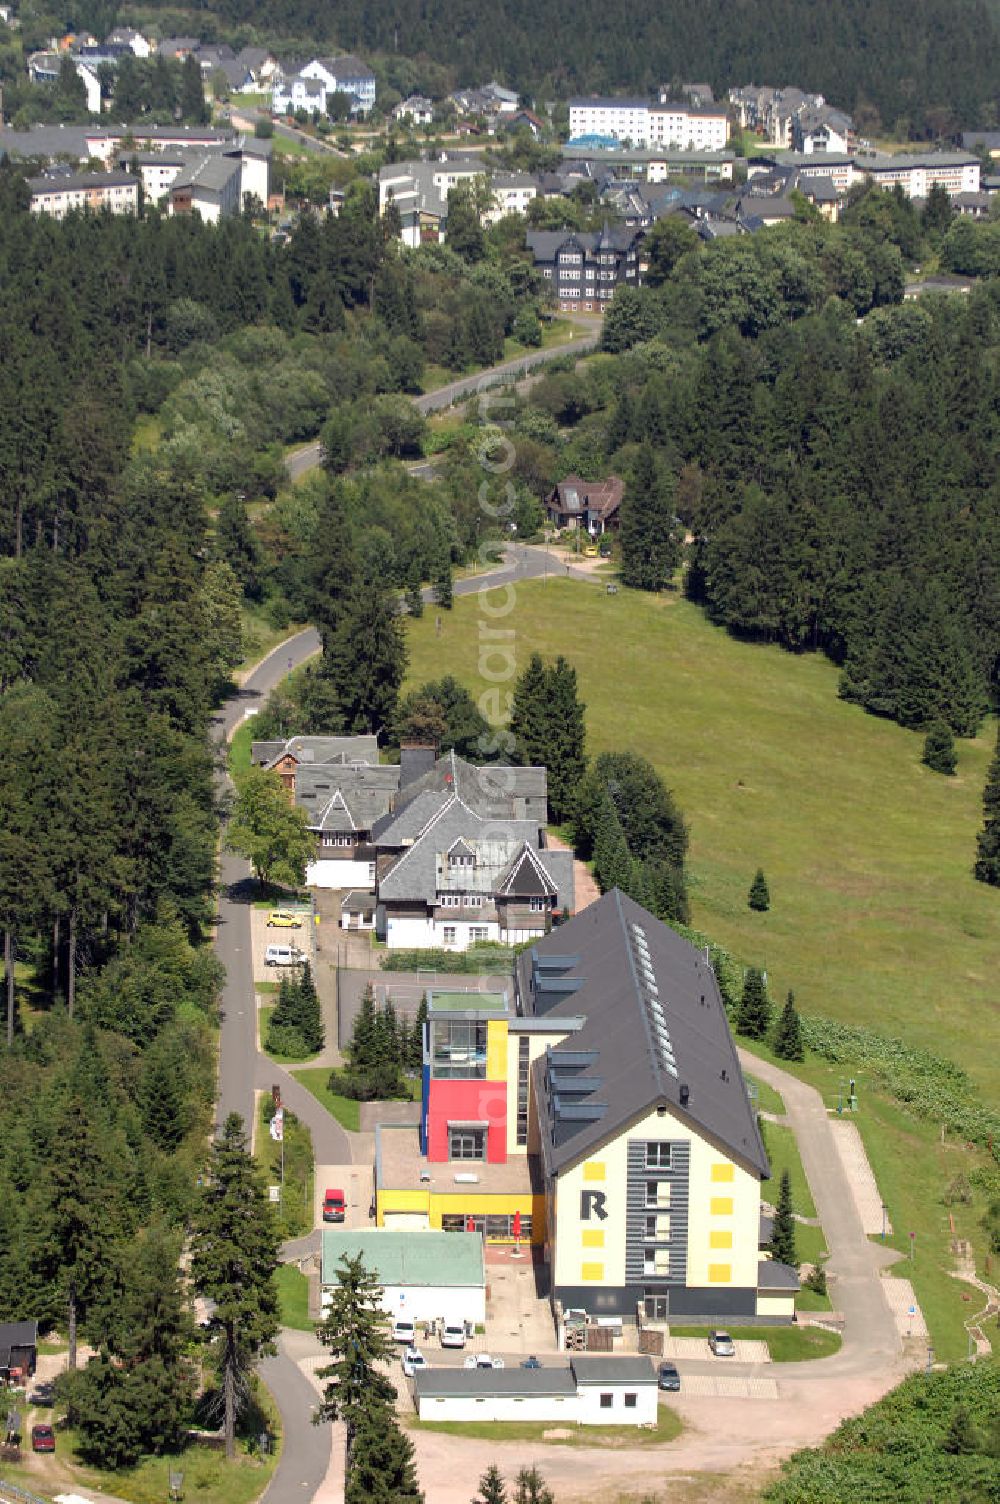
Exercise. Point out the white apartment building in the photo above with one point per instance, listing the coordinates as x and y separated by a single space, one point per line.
623 119
58 196
646 123
686 129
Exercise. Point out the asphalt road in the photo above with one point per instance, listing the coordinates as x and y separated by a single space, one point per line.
507 373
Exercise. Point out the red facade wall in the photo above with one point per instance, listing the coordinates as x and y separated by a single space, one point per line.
467 1102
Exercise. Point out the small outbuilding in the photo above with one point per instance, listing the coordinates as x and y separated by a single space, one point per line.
425 1275
588 1391
18 1350
777 1287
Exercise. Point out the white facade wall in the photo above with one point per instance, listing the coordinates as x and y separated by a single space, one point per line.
582 1408
416 932
157 178
591 1413
431 1302
255 177
559 1408
687 130
92 85
328 872
627 121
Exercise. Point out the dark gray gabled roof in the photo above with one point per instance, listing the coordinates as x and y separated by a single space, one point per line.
337 798
414 875
613 1370
655 1034
493 1383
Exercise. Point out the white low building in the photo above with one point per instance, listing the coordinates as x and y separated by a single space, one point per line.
590 1391
425 1276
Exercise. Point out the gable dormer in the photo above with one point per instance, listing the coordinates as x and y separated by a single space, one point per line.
461 856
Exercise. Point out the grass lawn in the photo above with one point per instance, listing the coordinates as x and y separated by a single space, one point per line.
914 1171
783 1152
786 1344
239 747
294 1213
293 1298
344 1109
207 1475
668 1427
809 1300
768 1100
875 916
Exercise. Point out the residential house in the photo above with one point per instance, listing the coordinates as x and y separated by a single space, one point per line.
822 130
310 89
462 859
178 48
527 120
593 505
426 1278
261 64
584 269
133 40
417 110
419 192
118 192
208 187
44 68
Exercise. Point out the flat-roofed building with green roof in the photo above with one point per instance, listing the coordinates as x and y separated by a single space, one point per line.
423 1277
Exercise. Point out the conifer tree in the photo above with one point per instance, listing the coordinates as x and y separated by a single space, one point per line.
612 862
492 1489
414 596
233 1260
355 1332
788 1036
753 1016
530 1488
987 868
529 714
650 548
365 658
759 898
382 1465
939 749
565 739
444 592
782 1244
363 1035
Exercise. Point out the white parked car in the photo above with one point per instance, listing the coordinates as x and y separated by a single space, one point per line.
482 1360
413 1361
403 1330
453 1334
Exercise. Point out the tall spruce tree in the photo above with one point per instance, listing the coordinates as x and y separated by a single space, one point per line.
650 545
364 1033
788 1035
355 1332
365 658
565 739
233 1260
759 897
530 1488
753 1016
492 1489
987 868
529 714
782 1244
382 1466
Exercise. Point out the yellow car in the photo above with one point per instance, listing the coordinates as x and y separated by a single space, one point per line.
591 551
283 919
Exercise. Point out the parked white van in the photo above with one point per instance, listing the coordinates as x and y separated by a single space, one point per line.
283 955
452 1334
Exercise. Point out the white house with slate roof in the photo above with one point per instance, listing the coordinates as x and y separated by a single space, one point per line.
588 1391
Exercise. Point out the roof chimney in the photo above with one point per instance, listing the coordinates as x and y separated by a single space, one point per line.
685 1093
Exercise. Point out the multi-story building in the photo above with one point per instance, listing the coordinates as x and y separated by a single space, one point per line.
208 187
622 118
311 87
59 196
584 269
642 122
419 193
600 1114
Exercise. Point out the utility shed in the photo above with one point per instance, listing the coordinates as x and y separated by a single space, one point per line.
607 1391
425 1275
18 1349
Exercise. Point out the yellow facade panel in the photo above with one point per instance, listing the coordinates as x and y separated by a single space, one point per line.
720 1240
721 1206
592 1273
720 1274
593 1237
496 1049
723 1172
594 1169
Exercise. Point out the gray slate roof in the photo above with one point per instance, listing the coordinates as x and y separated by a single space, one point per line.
613 1370
489 790
774 1276
414 873
633 1069
493 1383
345 798
318 749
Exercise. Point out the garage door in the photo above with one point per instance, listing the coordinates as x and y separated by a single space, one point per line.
407 1221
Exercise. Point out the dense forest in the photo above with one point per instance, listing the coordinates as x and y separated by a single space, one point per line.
924 67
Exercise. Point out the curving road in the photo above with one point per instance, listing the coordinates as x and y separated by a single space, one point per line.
508 373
